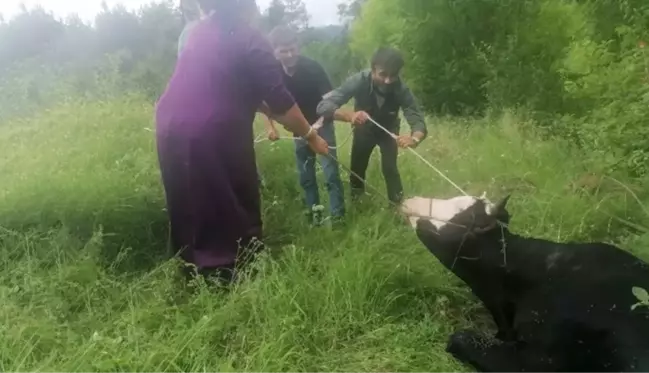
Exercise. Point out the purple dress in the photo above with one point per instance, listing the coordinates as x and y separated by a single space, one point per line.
204 132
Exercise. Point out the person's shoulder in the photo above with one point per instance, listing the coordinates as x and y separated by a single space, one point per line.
363 74
307 61
359 76
310 64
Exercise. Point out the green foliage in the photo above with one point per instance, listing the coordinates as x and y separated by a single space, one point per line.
373 28
87 282
466 55
611 96
335 56
574 65
523 65
641 295
290 13
88 285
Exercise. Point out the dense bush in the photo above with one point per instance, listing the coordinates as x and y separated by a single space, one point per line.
577 66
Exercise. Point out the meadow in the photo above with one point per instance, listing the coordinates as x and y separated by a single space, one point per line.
87 282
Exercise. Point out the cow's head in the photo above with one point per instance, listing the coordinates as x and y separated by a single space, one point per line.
462 232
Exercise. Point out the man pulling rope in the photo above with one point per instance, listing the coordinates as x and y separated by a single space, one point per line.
378 92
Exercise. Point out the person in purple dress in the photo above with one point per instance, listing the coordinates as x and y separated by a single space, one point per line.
204 136
192 14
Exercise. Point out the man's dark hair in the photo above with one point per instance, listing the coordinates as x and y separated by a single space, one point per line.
389 59
282 36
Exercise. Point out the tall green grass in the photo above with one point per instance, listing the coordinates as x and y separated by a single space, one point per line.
87 283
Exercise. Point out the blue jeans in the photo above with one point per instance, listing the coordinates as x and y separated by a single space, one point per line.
305 159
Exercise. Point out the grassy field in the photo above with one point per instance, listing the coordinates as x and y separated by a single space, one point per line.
87 284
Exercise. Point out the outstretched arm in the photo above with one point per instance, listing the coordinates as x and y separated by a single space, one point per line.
344 115
325 88
269 123
331 102
413 115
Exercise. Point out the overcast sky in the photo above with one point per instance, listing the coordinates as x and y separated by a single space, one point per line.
323 12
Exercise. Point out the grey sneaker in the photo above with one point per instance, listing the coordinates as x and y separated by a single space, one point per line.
316 215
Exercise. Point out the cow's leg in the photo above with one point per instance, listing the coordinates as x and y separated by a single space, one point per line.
490 355
484 354
502 313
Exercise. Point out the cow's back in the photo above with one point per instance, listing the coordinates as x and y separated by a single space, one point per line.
581 304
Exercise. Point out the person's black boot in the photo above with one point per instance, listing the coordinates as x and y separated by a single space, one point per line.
222 276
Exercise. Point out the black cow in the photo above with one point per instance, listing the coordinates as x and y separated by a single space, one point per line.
557 306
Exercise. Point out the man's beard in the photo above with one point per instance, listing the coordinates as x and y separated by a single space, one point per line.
384 88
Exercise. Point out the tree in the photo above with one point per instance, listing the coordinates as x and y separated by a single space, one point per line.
291 13
30 33
349 10
274 15
295 14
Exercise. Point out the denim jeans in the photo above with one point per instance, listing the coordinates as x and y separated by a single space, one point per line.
305 159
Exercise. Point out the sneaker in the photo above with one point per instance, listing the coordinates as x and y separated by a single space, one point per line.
315 215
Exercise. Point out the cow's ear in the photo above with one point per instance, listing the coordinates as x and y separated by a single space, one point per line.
500 209
502 204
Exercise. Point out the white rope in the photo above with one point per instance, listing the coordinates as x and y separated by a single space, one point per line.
413 151
501 224
420 157
260 138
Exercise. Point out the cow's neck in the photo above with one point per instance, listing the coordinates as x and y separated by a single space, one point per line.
524 256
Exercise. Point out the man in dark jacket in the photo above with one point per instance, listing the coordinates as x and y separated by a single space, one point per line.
378 93
308 82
